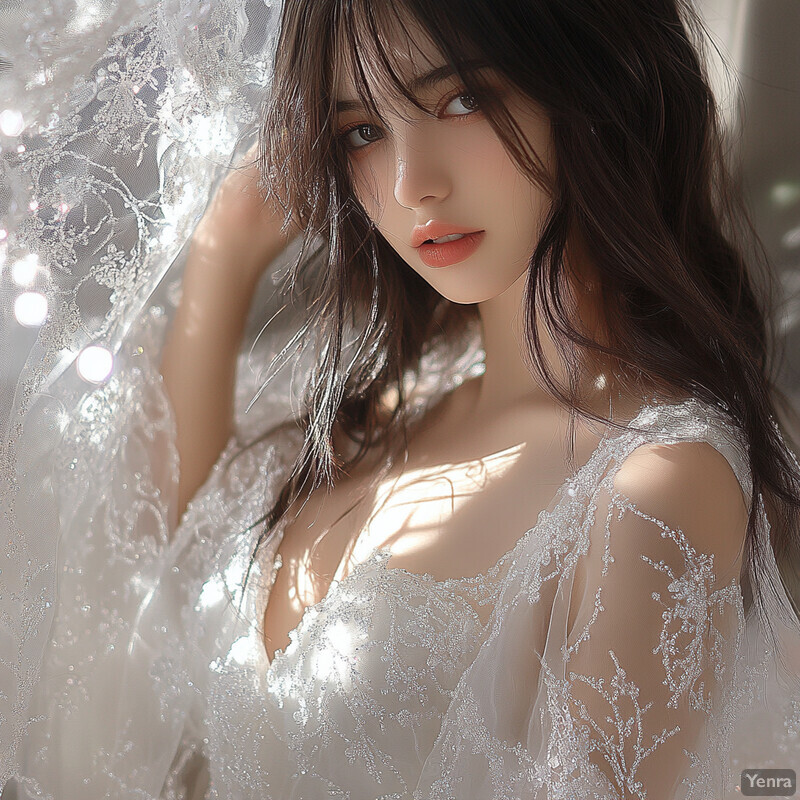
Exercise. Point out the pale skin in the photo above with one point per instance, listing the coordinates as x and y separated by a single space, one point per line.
237 238
434 512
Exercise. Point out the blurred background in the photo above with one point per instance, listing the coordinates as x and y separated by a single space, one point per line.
761 39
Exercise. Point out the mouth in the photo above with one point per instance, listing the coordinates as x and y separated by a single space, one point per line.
449 238
451 249
438 232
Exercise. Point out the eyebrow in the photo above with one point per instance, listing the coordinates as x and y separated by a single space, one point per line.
426 81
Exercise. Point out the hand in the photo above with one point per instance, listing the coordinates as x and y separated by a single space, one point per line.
241 230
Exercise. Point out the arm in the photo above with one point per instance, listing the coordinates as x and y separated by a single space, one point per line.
599 697
235 241
650 645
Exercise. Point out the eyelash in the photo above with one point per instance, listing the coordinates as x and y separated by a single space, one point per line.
457 95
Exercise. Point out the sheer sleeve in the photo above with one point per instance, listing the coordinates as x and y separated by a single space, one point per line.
656 615
608 670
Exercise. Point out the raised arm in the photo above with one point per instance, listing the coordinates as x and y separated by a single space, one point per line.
233 244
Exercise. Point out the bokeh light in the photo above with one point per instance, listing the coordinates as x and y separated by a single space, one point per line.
11 122
24 271
785 193
30 309
791 239
95 363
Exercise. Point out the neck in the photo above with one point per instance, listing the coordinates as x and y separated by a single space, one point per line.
507 382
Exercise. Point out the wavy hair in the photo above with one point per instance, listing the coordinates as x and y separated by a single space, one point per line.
684 285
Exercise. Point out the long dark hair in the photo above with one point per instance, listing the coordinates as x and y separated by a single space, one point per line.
685 287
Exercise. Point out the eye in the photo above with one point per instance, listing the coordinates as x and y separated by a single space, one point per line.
370 133
367 133
471 104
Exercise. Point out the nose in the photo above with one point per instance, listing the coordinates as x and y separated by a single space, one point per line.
420 169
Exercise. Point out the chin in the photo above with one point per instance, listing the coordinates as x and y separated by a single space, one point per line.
466 289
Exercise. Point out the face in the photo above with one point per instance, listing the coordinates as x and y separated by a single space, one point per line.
447 169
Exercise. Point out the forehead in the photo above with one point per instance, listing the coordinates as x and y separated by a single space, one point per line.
404 43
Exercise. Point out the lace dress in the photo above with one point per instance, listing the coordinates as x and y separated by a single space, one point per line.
155 682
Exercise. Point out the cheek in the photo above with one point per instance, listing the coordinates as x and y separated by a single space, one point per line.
477 151
510 201
370 185
489 171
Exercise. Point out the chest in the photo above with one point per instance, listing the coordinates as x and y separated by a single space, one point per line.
452 510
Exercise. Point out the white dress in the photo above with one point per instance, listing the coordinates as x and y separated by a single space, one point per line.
155 682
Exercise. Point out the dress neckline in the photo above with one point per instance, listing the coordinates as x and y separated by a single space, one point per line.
381 556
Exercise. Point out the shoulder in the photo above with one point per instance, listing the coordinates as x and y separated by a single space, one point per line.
691 487
655 470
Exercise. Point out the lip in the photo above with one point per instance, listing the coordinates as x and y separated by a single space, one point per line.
443 255
435 230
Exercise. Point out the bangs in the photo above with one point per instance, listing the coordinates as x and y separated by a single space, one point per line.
376 44
365 35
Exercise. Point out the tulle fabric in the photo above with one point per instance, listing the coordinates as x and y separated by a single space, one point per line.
120 119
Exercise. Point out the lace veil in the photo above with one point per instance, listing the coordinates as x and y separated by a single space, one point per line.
117 121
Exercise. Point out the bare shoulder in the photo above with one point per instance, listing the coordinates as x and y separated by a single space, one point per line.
690 486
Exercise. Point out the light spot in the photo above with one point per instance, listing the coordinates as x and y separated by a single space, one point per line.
95 363
785 193
11 122
241 649
24 271
30 309
212 592
791 239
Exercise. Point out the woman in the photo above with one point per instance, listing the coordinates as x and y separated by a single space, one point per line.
468 615
380 171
